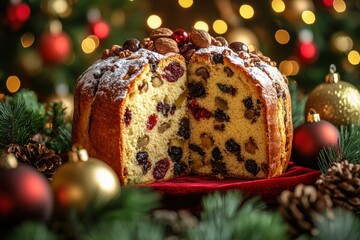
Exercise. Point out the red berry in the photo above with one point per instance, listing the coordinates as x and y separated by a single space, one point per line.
199 112
180 36
152 120
127 117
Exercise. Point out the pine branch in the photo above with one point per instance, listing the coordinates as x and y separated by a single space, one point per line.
348 148
297 104
17 123
344 226
31 231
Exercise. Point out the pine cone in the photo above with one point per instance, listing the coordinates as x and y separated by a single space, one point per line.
303 208
342 183
39 156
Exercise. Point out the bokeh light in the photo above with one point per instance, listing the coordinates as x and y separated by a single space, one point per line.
308 17
246 11
89 44
13 83
154 21
339 6
289 67
220 26
186 3
354 57
342 42
201 25
278 6
282 36
27 39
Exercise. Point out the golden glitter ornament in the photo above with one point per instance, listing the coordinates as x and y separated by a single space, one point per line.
336 101
82 182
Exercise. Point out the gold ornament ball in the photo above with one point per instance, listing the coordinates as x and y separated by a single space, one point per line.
81 182
336 101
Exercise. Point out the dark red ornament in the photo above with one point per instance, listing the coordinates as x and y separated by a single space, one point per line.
310 138
100 28
25 194
17 14
180 36
54 48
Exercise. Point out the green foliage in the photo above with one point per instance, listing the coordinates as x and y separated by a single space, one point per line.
229 216
17 122
348 148
31 231
297 104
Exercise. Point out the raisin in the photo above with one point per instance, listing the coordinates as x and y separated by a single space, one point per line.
248 103
197 90
179 168
161 168
146 167
152 120
163 108
218 58
221 116
175 153
173 72
127 117
265 168
251 166
199 112
228 71
202 72
219 127
216 154
227 89
184 129
196 148
142 157
283 95
232 146
218 168
278 90
131 44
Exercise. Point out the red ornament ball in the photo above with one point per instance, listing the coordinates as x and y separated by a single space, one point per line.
180 36
54 48
309 139
25 194
100 28
17 15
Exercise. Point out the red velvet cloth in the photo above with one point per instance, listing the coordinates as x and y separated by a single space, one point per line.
182 191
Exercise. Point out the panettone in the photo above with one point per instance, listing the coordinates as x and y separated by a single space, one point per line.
157 109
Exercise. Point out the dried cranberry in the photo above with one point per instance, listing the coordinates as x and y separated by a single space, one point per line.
184 129
196 148
218 58
161 168
175 153
152 120
142 157
199 112
248 103
251 166
227 89
216 154
127 117
173 72
221 116
179 168
197 90
218 167
232 146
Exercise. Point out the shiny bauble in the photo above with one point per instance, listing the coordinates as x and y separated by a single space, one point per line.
82 182
25 194
310 138
336 101
54 47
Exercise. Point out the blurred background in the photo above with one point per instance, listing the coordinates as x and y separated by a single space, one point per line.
46 44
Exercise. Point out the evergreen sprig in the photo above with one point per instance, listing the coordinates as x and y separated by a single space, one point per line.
31 231
297 104
17 122
348 148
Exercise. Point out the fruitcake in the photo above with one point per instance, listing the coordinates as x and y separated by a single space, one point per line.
178 103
